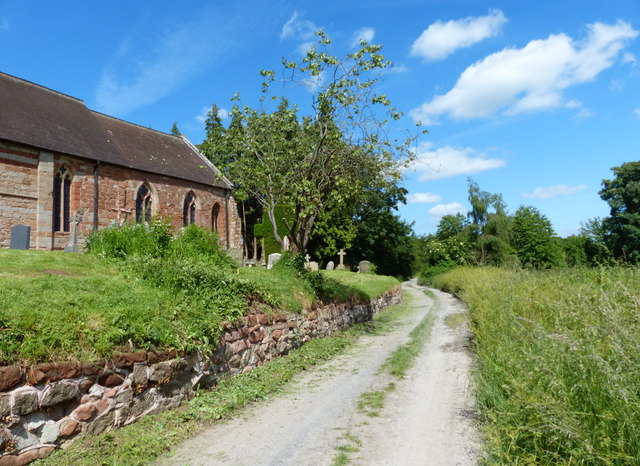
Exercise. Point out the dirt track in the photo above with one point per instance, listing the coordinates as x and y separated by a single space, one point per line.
426 420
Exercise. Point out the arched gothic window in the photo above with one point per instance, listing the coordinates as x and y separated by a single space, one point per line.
189 209
61 199
215 213
143 204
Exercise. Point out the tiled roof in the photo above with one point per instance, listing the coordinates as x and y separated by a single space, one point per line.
36 116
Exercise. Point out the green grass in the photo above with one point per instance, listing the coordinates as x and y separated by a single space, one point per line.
456 320
559 358
152 436
370 403
58 306
403 357
344 286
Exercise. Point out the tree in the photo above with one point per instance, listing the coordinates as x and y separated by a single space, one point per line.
326 157
491 228
174 129
534 239
213 147
381 236
451 226
596 248
622 193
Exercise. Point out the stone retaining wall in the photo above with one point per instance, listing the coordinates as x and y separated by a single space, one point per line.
43 406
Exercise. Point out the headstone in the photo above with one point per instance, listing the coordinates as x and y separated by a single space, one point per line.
72 244
273 259
20 236
285 243
364 267
330 265
341 265
312 266
307 258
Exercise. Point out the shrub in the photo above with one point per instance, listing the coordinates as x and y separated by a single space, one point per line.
142 239
430 271
197 243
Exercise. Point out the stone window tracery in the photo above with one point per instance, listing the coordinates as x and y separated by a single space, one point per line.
143 204
189 210
215 213
61 199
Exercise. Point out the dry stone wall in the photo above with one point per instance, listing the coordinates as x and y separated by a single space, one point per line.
46 405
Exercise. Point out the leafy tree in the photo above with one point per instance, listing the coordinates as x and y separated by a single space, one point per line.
214 147
490 226
452 226
575 250
596 247
174 129
333 229
534 239
622 193
327 157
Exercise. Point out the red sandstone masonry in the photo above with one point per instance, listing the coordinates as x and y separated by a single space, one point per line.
72 400
117 194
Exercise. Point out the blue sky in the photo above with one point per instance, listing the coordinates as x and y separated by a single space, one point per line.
534 100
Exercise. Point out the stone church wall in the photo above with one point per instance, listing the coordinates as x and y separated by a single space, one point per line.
26 187
18 189
46 405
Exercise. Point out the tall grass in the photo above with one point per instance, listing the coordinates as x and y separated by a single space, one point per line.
559 362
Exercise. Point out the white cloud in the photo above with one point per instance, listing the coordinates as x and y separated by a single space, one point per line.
440 39
223 113
531 78
448 162
452 208
423 198
554 191
629 58
366 34
298 28
636 112
583 113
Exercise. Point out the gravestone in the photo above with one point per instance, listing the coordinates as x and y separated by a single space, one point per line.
330 265
273 259
72 244
364 267
341 265
307 258
312 266
20 236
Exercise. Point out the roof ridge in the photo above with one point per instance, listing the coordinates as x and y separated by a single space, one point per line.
48 89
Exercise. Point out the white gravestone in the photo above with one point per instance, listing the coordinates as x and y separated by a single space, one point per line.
364 267
341 265
273 259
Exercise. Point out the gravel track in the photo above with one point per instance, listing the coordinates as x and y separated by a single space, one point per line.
426 420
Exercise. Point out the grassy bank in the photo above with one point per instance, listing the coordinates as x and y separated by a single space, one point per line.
153 436
559 358
59 306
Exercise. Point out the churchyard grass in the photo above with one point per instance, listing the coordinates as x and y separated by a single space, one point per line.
58 306
558 362
342 285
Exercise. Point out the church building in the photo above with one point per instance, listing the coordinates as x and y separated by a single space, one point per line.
61 163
